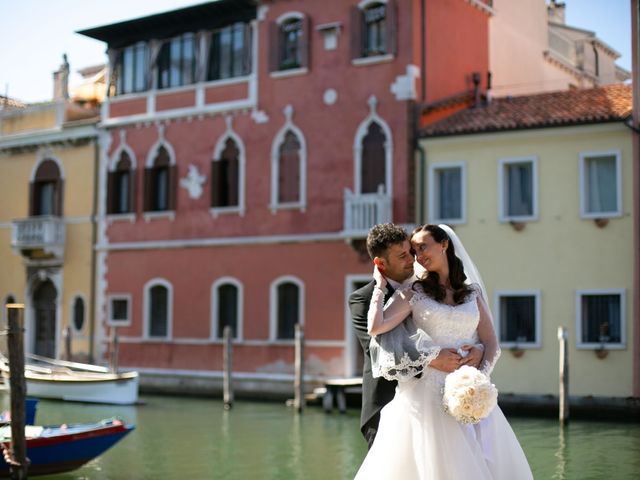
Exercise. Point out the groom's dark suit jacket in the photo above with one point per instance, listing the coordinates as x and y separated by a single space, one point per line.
376 392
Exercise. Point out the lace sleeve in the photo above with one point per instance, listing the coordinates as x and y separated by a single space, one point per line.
381 318
487 336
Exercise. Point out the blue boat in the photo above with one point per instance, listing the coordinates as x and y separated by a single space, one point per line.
62 448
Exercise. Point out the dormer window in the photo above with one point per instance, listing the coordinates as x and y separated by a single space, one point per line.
177 62
131 69
230 52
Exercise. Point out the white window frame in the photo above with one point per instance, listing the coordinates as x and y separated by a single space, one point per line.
72 315
498 295
273 307
275 166
240 208
502 194
433 169
147 309
119 296
584 156
214 308
362 131
623 322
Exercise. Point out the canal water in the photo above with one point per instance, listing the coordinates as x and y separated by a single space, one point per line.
195 438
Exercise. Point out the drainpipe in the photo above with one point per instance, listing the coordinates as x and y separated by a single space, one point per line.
94 236
423 49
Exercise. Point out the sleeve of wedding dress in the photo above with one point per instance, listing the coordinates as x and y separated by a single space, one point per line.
487 336
381 318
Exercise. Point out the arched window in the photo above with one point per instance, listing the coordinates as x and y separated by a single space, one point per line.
121 192
227 306
289 169
373 171
225 177
287 307
158 306
46 190
78 313
160 188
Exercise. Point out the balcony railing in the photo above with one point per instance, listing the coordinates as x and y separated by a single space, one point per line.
43 234
363 211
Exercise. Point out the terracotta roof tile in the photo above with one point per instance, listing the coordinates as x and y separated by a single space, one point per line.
563 108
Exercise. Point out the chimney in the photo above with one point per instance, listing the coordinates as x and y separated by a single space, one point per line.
555 12
61 80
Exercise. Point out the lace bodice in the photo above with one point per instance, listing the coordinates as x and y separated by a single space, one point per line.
448 326
406 346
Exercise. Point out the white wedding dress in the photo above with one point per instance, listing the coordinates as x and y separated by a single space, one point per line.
417 439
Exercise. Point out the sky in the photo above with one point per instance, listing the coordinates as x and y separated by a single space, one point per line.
34 34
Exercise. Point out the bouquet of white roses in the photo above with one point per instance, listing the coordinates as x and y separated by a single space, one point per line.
469 395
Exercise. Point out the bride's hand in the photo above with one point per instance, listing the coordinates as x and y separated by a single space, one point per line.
381 282
448 360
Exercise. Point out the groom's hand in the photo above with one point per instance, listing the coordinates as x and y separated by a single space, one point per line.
447 360
473 357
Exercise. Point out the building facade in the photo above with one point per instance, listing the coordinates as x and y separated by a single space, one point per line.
247 151
48 156
551 54
540 189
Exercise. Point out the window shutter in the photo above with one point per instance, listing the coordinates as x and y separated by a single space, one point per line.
392 27
215 183
111 192
33 201
305 42
132 190
274 47
357 40
248 49
58 198
234 182
148 189
173 187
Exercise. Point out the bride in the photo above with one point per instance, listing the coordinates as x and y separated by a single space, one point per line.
416 438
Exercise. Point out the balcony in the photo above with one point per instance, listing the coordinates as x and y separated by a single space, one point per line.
363 211
38 238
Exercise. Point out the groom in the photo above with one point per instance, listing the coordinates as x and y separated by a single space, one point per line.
389 248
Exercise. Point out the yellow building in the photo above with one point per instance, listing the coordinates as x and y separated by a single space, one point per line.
539 188
48 158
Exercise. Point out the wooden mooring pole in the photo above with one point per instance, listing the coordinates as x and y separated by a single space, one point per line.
67 343
114 350
564 376
17 457
298 384
227 359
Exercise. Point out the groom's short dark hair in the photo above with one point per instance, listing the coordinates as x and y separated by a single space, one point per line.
382 236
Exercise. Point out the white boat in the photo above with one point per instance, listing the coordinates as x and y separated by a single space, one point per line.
76 382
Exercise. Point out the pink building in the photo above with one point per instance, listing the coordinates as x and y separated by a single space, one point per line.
247 150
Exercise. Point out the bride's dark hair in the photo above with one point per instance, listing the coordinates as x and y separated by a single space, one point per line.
431 281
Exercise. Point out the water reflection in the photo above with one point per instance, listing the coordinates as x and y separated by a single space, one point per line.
179 438
561 462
